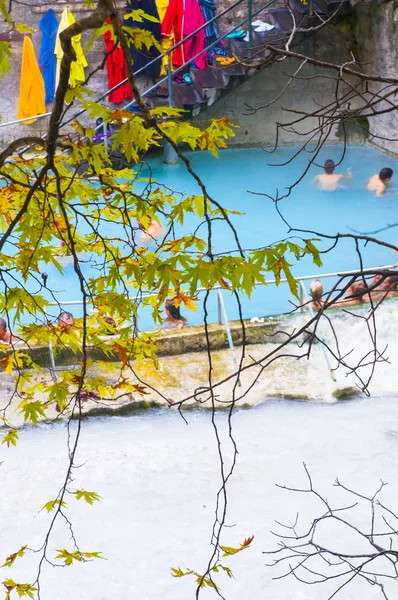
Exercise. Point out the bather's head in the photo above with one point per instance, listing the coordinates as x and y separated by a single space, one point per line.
173 311
316 289
391 283
3 328
66 319
329 166
358 289
386 175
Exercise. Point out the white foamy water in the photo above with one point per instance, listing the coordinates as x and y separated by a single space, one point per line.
158 478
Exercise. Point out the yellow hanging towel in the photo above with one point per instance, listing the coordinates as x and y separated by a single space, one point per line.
166 42
77 67
32 92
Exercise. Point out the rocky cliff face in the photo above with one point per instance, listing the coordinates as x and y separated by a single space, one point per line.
369 32
312 88
375 26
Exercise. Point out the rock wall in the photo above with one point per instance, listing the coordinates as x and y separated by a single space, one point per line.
375 25
369 32
306 93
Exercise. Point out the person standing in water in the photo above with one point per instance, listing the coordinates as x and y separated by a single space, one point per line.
153 231
329 180
379 182
174 319
5 334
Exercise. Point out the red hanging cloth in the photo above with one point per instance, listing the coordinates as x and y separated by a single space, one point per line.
182 18
116 68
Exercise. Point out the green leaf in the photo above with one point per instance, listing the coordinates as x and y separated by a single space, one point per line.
69 557
140 15
51 504
89 497
32 411
22 589
11 438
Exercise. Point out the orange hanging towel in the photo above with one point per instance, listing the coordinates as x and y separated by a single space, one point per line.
32 92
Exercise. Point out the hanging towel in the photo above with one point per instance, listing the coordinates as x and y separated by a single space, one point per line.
47 61
209 10
32 92
182 18
193 19
172 25
77 66
116 68
166 42
143 56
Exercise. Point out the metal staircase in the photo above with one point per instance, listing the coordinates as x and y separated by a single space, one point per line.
211 83
215 80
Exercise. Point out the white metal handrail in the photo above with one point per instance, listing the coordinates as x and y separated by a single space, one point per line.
267 282
222 313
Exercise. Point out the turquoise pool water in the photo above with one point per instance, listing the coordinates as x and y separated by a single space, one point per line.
230 179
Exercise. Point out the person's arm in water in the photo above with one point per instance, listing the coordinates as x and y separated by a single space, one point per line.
380 189
348 176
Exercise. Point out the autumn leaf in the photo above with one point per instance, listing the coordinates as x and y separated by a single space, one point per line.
68 557
51 504
140 389
229 550
122 353
11 438
12 557
22 589
89 497
186 300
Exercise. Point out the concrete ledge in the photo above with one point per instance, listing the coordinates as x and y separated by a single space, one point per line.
190 339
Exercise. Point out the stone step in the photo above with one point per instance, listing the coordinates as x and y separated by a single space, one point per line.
186 95
233 70
281 18
242 50
343 7
276 37
301 8
155 101
206 78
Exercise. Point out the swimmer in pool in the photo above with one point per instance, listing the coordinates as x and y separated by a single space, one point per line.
329 181
357 293
5 334
154 231
316 293
379 182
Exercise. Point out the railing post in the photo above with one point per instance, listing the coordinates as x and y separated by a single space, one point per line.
229 336
51 353
219 311
105 129
169 79
249 24
311 311
170 155
302 296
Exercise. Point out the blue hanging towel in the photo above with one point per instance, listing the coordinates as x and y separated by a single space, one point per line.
47 58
